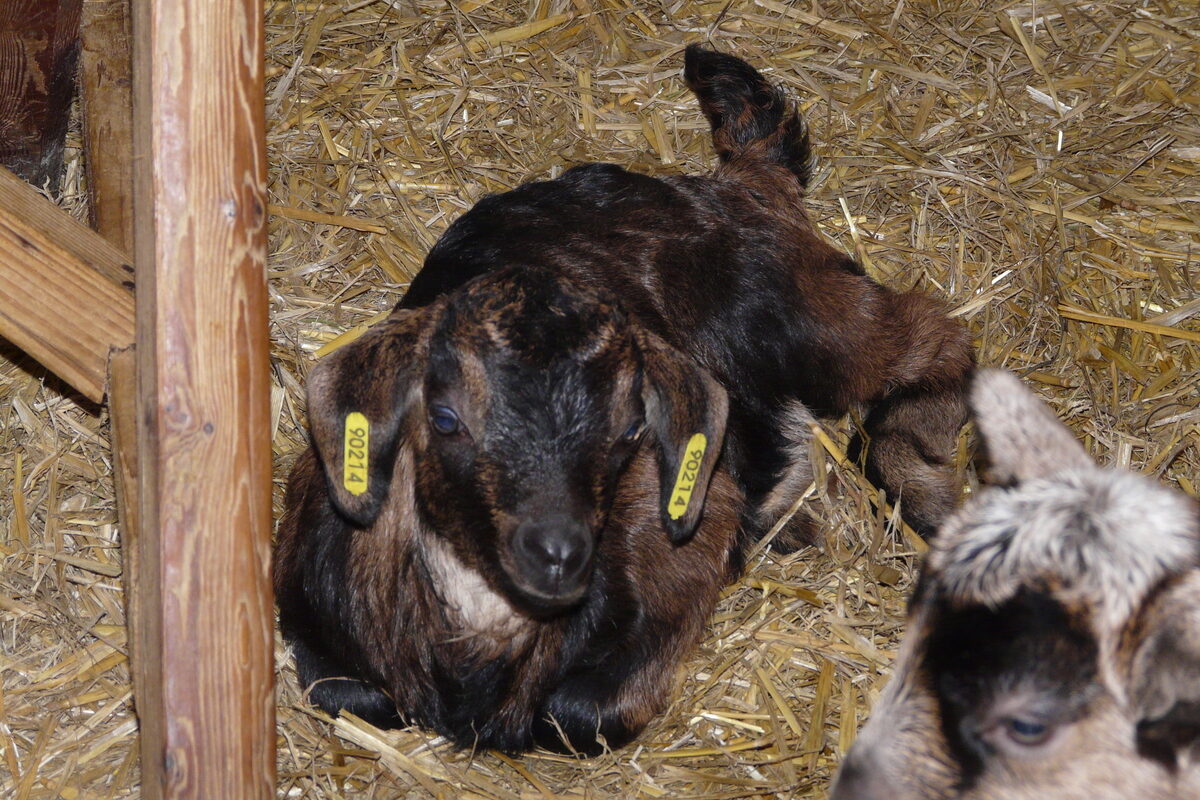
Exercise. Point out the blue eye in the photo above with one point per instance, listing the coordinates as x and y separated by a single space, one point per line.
1026 732
443 420
634 431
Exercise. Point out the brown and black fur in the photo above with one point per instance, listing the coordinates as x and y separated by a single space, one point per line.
729 269
606 668
378 631
581 330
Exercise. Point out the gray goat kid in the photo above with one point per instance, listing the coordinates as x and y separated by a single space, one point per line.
1053 642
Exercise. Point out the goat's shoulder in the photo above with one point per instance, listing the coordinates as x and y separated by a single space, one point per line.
673 582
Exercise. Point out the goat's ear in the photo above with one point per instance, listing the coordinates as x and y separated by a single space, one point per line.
1022 436
686 408
1165 674
358 396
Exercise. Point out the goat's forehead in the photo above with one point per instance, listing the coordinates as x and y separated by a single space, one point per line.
1102 537
540 319
1030 649
562 387
565 403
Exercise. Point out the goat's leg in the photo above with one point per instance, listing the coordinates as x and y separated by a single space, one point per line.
795 428
331 686
912 430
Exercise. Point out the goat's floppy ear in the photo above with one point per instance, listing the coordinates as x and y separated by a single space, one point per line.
358 396
1022 436
686 408
1165 675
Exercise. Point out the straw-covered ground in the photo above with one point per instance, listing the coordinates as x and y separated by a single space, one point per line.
1034 163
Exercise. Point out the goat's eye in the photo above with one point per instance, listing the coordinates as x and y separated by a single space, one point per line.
634 432
1027 732
443 420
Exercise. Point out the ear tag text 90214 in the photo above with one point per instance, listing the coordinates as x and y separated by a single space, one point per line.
689 471
354 457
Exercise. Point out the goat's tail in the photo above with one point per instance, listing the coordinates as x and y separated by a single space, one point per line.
750 118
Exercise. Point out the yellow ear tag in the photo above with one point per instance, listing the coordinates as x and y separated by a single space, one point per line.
689 471
354 458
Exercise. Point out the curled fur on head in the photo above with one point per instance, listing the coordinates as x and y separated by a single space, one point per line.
1084 529
1103 536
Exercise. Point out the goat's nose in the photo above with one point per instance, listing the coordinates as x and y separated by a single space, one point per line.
553 555
857 780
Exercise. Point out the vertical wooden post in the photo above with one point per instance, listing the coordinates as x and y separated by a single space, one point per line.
203 635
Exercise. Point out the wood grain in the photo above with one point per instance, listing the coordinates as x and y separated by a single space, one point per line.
205 624
106 95
39 48
67 293
122 414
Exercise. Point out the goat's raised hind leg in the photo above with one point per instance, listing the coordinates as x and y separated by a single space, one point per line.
911 454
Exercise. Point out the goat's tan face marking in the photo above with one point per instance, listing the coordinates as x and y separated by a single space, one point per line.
471 395
355 459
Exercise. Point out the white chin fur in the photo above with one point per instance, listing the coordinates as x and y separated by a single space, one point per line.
469 601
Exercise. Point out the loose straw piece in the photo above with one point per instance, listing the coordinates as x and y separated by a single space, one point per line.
349 336
816 20
517 33
20 514
341 221
1083 315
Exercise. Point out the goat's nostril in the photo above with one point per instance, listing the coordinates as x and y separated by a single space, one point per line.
553 554
552 548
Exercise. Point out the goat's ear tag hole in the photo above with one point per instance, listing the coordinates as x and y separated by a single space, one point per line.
354 457
689 471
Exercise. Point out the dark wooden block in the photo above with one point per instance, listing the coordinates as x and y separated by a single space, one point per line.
39 50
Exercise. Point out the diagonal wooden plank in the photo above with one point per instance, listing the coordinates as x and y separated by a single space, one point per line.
67 294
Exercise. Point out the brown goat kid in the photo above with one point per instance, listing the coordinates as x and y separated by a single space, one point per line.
1053 644
506 578
529 484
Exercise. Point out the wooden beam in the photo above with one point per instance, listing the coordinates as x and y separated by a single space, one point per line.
106 103
66 296
122 414
205 609
39 48
106 97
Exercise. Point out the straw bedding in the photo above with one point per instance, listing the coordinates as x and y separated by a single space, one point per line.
1036 163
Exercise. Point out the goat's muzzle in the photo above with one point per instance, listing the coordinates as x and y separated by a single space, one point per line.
553 559
860 780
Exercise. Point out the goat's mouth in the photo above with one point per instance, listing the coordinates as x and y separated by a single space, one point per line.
556 598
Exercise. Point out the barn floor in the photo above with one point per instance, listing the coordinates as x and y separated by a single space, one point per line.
1035 163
